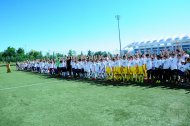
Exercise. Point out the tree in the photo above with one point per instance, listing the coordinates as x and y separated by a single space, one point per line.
47 55
99 53
71 53
59 55
9 54
188 51
20 52
33 54
39 56
90 53
81 53
1 56
4 54
109 54
74 53
104 54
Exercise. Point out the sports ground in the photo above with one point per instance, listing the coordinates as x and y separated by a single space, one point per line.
28 99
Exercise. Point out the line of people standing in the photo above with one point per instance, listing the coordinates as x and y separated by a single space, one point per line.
167 67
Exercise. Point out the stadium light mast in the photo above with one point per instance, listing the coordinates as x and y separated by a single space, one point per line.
118 18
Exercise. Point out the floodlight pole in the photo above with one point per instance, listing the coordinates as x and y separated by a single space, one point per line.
118 17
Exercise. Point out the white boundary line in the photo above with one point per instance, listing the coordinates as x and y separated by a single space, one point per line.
2 89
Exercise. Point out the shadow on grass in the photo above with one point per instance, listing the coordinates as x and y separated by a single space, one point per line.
118 83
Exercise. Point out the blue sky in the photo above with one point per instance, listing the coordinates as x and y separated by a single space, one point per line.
60 25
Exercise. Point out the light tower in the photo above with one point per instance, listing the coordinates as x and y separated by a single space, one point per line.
118 18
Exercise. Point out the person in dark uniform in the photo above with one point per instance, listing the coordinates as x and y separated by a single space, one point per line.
68 63
17 66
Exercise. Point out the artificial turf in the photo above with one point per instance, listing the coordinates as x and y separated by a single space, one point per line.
28 99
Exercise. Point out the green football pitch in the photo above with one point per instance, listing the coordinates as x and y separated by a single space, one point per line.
28 99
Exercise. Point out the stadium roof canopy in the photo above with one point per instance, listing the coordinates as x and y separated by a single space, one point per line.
186 38
169 40
161 42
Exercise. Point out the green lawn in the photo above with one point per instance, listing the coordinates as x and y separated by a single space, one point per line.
27 99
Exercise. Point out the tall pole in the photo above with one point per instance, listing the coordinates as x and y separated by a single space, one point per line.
118 17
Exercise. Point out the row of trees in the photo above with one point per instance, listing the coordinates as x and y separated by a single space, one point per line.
90 53
13 55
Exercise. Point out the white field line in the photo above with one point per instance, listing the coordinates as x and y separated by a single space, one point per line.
2 89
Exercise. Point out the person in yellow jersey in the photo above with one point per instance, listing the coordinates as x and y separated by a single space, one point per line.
128 63
112 68
109 74
124 68
144 58
117 68
135 70
140 72
119 61
114 71
8 67
130 68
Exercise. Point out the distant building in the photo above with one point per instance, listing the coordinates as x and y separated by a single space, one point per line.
158 45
